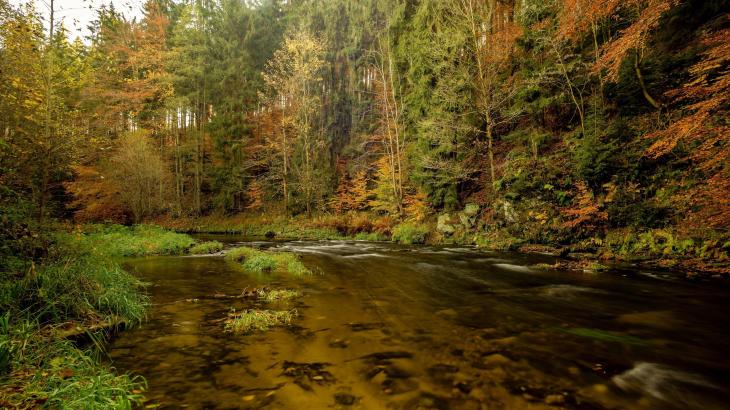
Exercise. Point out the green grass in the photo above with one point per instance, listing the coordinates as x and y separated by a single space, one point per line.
275 295
74 280
371 237
255 260
56 374
139 240
206 248
253 320
410 233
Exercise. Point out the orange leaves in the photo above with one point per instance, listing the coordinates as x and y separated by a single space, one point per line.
352 192
587 212
255 195
634 36
707 93
416 206
94 197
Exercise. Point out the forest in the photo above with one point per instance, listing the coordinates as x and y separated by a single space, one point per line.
593 130
547 122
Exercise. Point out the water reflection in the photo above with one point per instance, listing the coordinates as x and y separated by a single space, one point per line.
385 326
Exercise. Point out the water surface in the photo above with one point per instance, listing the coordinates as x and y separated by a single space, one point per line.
383 326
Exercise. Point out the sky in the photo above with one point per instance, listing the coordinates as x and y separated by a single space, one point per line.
78 14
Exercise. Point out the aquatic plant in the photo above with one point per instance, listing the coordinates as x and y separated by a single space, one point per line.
258 320
274 295
205 248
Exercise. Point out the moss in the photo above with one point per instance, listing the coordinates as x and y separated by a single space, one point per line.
206 248
253 320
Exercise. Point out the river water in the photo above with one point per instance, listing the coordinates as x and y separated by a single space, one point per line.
382 326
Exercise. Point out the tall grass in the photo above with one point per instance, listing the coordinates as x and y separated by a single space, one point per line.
77 279
57 374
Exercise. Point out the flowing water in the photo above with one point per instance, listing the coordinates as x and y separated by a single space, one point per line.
381 326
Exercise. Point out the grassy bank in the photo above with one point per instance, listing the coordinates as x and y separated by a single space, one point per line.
668 248
54 281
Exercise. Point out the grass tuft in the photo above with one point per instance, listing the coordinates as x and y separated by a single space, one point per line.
255 260
253 320
206 248
275 295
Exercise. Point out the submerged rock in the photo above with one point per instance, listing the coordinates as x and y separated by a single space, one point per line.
307 372
345 399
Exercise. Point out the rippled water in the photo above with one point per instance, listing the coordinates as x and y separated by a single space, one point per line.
382 326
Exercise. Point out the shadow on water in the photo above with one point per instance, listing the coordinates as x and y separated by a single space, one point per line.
383 326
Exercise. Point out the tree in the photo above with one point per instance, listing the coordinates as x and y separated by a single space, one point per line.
293 76
141 174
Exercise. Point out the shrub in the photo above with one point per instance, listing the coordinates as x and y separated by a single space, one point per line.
206 248
410 233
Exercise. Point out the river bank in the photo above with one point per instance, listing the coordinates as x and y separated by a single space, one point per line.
62 290
694 257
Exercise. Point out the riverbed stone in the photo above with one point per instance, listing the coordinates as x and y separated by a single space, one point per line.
345 399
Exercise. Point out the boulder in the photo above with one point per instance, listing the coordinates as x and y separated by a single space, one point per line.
444 226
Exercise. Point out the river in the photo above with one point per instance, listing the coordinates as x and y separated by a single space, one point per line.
385 326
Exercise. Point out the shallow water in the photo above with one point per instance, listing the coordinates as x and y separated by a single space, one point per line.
383 326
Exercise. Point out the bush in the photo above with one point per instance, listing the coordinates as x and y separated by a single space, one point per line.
206 248
410 233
